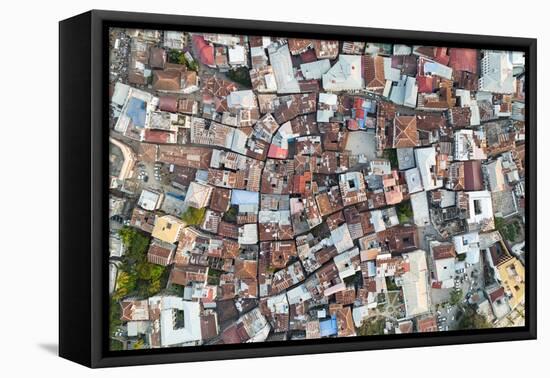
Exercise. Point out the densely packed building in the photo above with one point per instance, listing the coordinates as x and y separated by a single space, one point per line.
271 188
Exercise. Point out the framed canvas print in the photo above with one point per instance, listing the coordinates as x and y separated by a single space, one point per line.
235 188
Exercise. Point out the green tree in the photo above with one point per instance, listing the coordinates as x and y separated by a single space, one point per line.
135 242
139 344
214 276
136 275
231 214
115 344
178 57
470 319
241 76
391 155
115 313
371 326
456 297
175 56
125 284
390 284
509 231
404 211
193 216
127 235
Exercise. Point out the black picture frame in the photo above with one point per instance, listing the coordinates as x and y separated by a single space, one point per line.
83 229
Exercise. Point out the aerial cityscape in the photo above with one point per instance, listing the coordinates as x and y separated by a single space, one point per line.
265 189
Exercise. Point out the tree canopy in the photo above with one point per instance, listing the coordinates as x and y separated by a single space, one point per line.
456 297
241 76
137 276
192 216
472 320
178 57
372 326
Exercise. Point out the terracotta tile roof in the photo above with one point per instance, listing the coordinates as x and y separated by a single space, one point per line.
404 132
134 310
205 51
430 122
168 80
345 322
158 136
231 335
326 49
280 252
428 324
496 294
459 117
209 326
406 326
183 275
143 219
297 46
168 104
157 57
229 230
443 251
441 56
246 268
463 59
428 51
218 87
308 56
472 175
220 199
346 297
374 71
426 83
399 239
160 253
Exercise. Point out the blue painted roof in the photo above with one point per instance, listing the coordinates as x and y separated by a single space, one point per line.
176 195
328 327
136 110
244 197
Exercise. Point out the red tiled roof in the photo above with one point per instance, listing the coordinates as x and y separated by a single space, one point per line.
463 60
209 326
157 57
405 134
246 268
443 251
425 84
157 136
406 327
276 152
230 335
308 56
205 51
496 294
472 175
427 324
167 80
441 55
374 71
168 104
